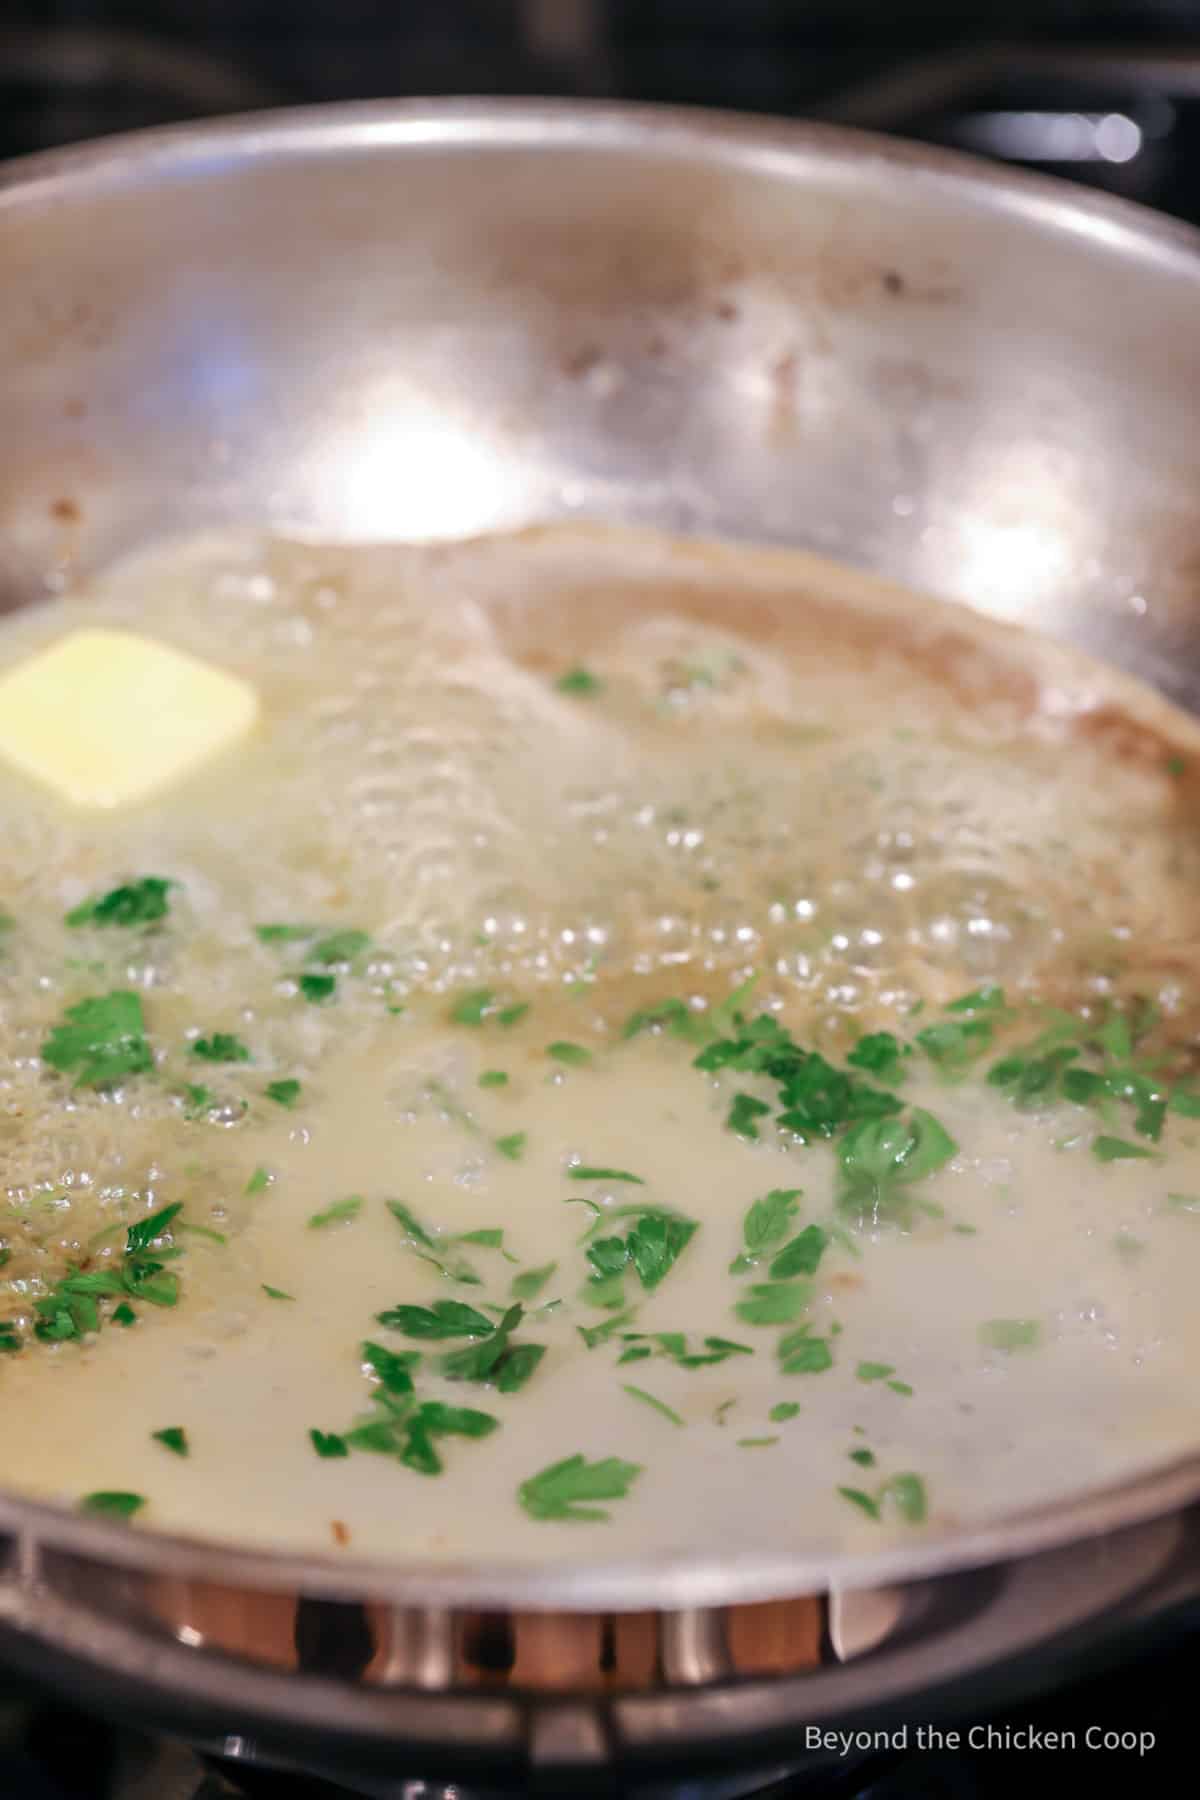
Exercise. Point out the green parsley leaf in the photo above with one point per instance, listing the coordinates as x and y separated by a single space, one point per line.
512 1015
112 1504
574 1055
907 1494
493 1078
955 1043
283 1093
259 1181
878 1155
864 1458
316 989
863 1501
515 1368
204 1231
716 1350
758 1443
199 1099
984 999
880 1054
393 1367
1114 1149
221 1047
328 1444
561 1491
678 1017
284 934
481 1360
473 1007
101 1040
800 1354
146 1232
173 1438
744 1110
593 1335
660 1406
774 1303
428 1247
900 1387
656 1243
874 1371
787 1409
802 1256
768 1219
444 1319
1185 1104
341 1211
579 681
124 1314
140 903
1010 1334
272 1292
513 1146
339 947
10 1337
529 1284
590 1174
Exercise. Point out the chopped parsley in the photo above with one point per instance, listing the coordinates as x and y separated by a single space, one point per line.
907 1494
660 1406
284 1093
513 1146
530 1282
493 1078
328 1444
756 1443
10 1337
424 1244
112 1504
495 1358
199 1099
284 934
880 1054
573 1055
593 1335
568 1489
774 1302
473 1007
744 1114
984 999
864 1458
173 1438
956 1043
1010 1334
586 1173
444 1319
580 682
766 1223
879 1156
221 1047
800 1354
124 1314
716 1350
512 1015
802 1256
139 903
394 1368
273 1293
100 1040
339 947
787 1409
1114 1149
863 1501
676 1015
874 1371
316 989
340 1212
259 1181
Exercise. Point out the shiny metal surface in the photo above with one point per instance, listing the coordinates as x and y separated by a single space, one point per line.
435 319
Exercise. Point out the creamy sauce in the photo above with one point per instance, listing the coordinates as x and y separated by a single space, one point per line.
773 768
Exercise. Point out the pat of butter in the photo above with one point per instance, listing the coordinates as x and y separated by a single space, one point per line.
106 718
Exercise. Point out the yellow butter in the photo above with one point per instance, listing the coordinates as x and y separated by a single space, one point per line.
106 718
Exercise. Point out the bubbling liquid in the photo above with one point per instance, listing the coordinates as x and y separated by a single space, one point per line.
581 771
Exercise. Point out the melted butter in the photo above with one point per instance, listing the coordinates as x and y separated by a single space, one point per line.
787 769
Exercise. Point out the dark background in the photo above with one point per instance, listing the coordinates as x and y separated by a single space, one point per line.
1028 81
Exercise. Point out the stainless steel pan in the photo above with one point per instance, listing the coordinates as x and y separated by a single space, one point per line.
430 320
